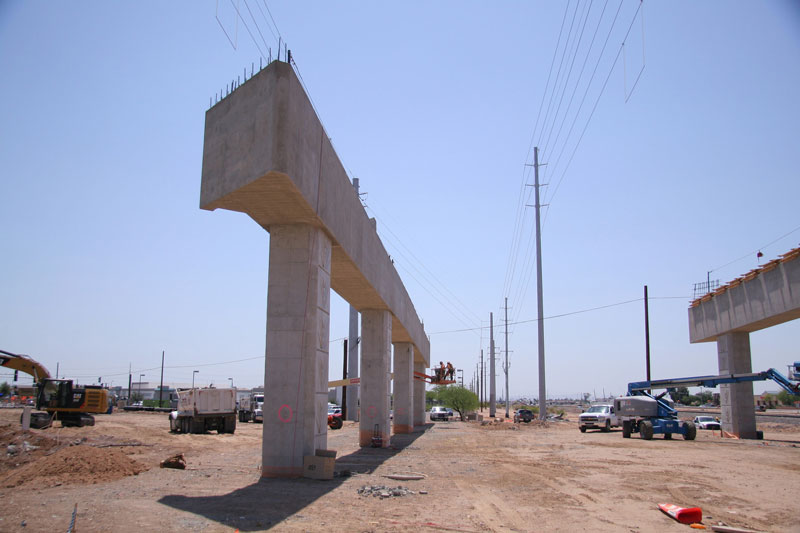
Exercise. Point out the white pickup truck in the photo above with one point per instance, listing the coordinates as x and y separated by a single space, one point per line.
600 417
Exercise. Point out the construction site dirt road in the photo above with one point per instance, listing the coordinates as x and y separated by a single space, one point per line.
496 477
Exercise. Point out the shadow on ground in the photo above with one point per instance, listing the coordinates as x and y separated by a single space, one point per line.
269 502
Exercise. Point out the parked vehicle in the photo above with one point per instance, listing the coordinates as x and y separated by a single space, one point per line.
440 413
251 408
201 410
706 422
650 415
523 415
600 417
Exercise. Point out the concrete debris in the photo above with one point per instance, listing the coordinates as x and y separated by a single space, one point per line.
383 492
176 461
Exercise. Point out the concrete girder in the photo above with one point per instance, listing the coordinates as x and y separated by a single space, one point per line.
266 154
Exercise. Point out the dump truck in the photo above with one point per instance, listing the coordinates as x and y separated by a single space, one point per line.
250 408
206 409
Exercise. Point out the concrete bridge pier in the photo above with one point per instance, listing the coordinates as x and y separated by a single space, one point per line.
376 351
296 368
736 399
403 387
419 395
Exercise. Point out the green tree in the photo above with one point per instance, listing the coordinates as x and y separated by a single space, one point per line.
5 389
459 399
788 399
680 395
706 397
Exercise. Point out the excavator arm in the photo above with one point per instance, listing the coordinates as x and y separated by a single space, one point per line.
24 363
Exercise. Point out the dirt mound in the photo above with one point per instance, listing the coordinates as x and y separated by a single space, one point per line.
74 465
18 448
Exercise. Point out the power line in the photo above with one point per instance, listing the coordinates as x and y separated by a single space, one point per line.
594 108
461 307
756 250
561 315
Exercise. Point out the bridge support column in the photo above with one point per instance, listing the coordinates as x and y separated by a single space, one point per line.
736 399
419 395
376 348
296 367
403 387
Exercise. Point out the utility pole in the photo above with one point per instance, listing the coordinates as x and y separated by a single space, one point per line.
482 384
506 365
352 392
344 388
646 334
539 298
161 386
492 391
130 378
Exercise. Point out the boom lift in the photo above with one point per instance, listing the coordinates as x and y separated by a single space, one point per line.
642 412
58 398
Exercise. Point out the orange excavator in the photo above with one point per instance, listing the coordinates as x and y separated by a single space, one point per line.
58 399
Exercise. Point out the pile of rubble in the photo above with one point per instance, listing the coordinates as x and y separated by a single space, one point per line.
382 491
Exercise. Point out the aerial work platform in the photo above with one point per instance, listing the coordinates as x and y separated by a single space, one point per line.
434 379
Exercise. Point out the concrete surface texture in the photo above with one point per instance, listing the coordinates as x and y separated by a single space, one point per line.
376 333
266 154
296 376
736 399
766 297
403 388
419 395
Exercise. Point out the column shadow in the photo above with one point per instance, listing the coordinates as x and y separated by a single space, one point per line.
270 501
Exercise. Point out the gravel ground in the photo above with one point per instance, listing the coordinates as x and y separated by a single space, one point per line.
535 477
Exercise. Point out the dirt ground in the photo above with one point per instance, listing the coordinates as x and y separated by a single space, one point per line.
503 477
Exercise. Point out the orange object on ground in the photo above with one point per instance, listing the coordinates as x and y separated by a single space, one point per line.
684 515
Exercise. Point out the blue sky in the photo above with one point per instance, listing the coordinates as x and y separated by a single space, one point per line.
108 260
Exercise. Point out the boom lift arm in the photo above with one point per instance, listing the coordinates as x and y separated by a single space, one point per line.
639 387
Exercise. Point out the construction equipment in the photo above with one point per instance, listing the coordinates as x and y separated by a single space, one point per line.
251 408
435 379
649 415
58 398
201 410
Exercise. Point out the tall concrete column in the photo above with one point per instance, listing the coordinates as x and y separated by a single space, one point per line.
736 399
403 387
296 369
352 366
376 348
419 395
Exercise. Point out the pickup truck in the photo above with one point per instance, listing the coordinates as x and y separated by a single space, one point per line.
441 413
600 417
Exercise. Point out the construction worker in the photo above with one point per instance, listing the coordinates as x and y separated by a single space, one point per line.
440 372
451 371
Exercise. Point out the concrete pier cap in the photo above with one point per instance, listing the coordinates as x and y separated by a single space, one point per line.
764 297
266 154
